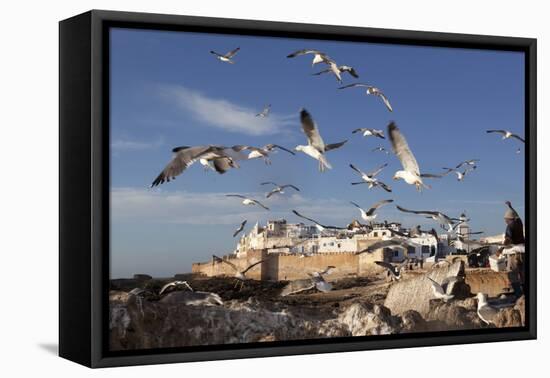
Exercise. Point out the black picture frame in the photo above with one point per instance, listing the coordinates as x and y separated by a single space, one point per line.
84 186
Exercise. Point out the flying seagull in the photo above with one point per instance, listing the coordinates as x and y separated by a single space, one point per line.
261 152
370 178
437 216
319 226
394 242
380 149
506 134
316 280
240 275
175 285
411 171
184 156
393 270
316 147
265 112
441 291
318 56
370 214
486 312
471 163
226 58
248 201
278 188
338 71
370 132
240 228
371 91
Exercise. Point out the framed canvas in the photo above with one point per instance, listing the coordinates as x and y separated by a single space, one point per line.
235 188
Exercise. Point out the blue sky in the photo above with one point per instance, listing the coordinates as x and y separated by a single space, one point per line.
167 91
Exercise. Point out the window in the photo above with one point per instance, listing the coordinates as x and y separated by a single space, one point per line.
375 234
396 253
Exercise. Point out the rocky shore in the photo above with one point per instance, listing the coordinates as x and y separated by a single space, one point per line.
357 306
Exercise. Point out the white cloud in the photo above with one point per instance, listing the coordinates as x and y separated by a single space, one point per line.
131 205
226 115
118 145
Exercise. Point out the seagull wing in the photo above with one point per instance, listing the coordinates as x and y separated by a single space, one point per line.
222 165
235 195
361 129
253 265
311 131
378 170
352 72
334 146
297 286
517 137
220 260
355 85
321 72
437 287
422 212
290 186
268 195
357 170
487 314
306 218
217 54
402 150
281 148
389 267
183 158
269 183
241 227
260 204
303 52
384 186
377 205
396 242
232 53
386 101
496 131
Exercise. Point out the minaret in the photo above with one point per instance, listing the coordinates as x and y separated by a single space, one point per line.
464 228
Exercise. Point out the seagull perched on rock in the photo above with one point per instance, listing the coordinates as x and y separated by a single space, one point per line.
240 228
222 159
486 312
370 178
370 214
506 134
316 147
278 188
240 275
393 270
437 216
316 280
411 171
370 132
261 152
441 291
248 201
265 112
319 226
226 58
371 91
338 71
318 56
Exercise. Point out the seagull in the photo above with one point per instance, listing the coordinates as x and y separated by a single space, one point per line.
471 163
442 219
369 178
240 275
175 285
460 175
316 280
506 134
411 171
316 146
240 228
265 112
440 291
380 149
318 56
261 152
278 188
338 70
319 226
248 201
185 156
370 215
394 242
393 270
486 312
370 132
371 91
227 57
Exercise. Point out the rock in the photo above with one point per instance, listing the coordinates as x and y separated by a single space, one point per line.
412 321
363 320
454 314
520 307
414 290
508 317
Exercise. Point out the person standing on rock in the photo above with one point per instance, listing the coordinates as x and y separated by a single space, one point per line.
514 241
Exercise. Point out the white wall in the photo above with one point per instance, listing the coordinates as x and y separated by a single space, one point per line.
28 148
